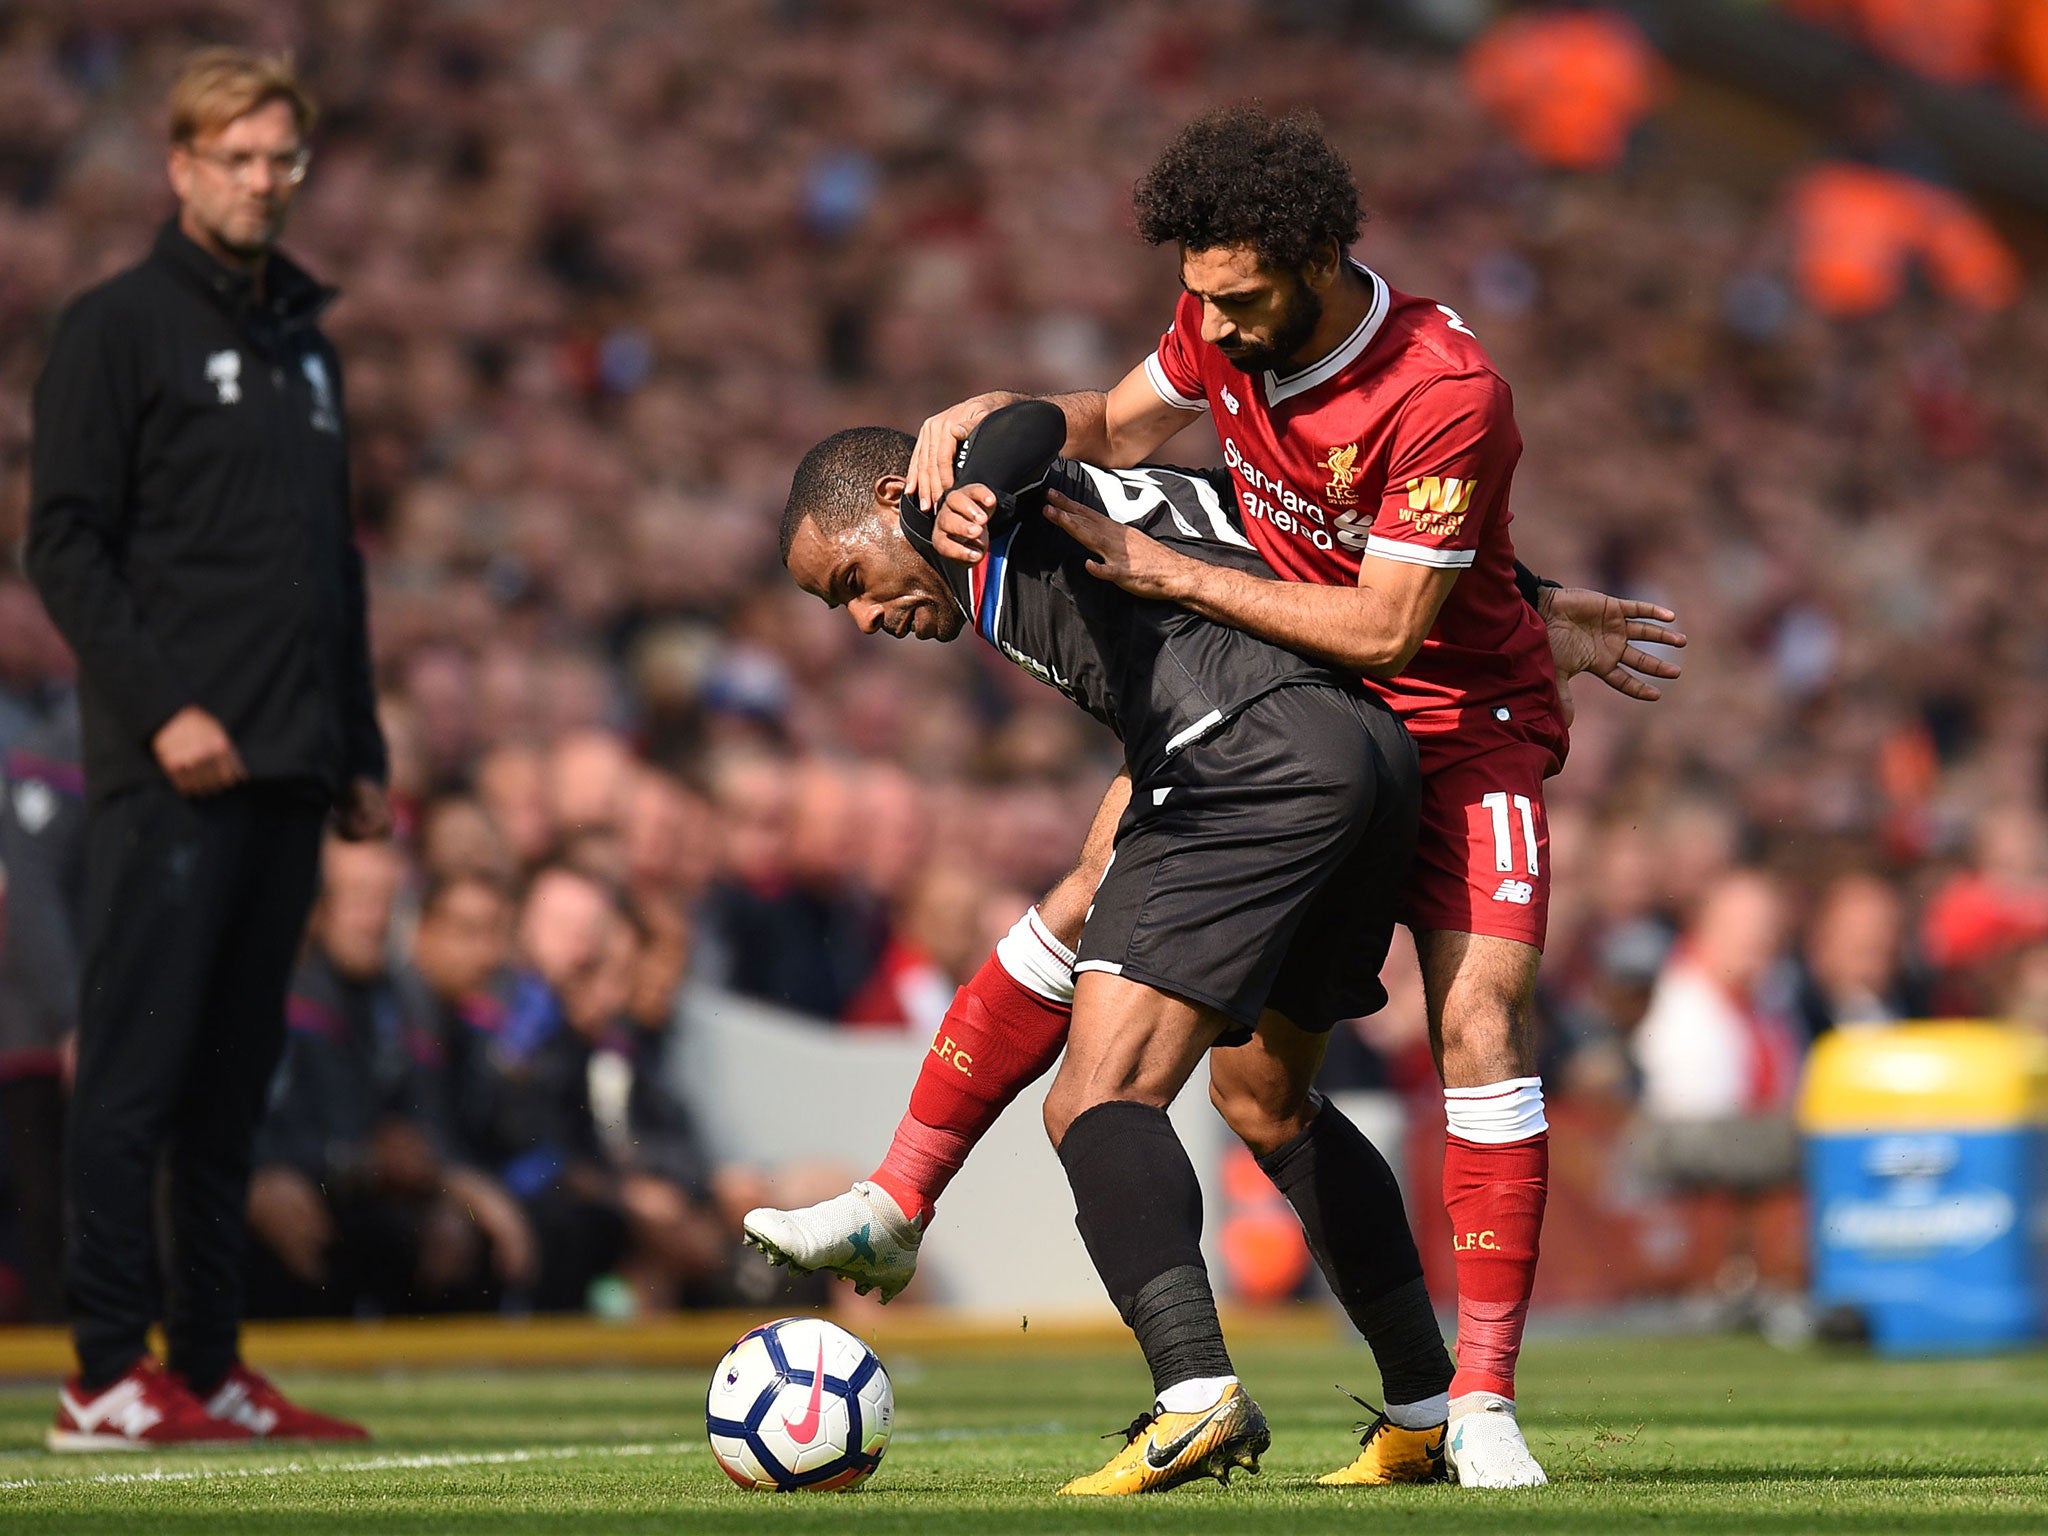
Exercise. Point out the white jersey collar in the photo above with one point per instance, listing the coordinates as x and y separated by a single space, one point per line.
1347 352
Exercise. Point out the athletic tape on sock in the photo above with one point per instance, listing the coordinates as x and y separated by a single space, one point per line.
1138 1207
1497 1113
1037 960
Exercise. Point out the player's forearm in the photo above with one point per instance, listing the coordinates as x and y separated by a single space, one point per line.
1354 628
1088 434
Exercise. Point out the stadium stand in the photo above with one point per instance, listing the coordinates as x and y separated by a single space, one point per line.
605 276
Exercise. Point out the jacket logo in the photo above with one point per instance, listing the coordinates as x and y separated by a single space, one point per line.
35 805
1341 463
325 417
224 373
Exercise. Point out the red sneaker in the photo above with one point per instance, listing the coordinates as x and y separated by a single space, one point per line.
148 1409
250 1402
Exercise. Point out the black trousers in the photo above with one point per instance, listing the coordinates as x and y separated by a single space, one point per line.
194 912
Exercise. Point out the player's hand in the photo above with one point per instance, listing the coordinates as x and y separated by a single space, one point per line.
402 1161
1592 632
939 439
196 753
1137 562
960 529
498 1217
364 812
290 1218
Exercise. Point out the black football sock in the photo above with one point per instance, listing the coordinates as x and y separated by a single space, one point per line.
1350 1207
1139 1209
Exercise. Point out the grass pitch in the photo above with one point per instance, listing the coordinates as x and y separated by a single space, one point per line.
1687 1435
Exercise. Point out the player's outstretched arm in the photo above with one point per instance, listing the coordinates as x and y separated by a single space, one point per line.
1123 427
1373 628
1592 632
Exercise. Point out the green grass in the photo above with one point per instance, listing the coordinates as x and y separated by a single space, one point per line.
1709 1435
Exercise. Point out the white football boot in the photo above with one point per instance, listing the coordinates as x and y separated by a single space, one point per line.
1486 1448
862 1236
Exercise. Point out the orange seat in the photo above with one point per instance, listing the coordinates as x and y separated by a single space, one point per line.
1953 41
1569 87
1858 232
2026 51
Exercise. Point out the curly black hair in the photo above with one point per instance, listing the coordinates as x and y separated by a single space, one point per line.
1240 176
834 485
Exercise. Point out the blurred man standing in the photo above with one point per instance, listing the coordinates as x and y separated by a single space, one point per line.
190 535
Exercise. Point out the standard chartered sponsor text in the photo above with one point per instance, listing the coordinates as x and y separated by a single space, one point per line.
1273 500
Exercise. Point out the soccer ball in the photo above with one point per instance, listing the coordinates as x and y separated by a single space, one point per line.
799 1404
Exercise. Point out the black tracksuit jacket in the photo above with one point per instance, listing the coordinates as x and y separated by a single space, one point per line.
189 526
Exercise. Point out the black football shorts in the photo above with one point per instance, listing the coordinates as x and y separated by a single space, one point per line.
1259 867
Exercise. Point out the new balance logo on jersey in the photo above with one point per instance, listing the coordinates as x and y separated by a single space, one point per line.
1520 892
1229 400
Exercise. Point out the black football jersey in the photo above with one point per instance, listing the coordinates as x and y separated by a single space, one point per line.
1157 674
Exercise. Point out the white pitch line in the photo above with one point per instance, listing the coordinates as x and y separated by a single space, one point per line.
434 1462
451 1460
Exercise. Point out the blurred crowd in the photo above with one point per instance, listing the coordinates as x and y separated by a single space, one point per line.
2000 44
606 274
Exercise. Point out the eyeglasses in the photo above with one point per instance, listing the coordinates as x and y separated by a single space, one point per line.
240 164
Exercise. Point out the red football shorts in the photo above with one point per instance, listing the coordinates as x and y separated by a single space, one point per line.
1482 857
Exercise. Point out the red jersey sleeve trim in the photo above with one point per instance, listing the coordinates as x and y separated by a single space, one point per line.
1163 387
1419 554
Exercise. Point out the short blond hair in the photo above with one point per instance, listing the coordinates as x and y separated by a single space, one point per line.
218 85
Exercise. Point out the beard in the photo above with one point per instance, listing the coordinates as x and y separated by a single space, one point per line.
247 234
1298 322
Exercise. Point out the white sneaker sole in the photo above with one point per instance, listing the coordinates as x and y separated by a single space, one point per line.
93 1442
1533 1477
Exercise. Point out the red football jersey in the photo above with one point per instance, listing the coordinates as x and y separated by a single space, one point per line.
1401 444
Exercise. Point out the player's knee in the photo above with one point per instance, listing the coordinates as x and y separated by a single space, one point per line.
1057 1116
1064 1103
1264 1111
1073 1094
1487 1031
1478 1021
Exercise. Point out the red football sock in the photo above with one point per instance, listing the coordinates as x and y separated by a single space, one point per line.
1494 1194
997 1039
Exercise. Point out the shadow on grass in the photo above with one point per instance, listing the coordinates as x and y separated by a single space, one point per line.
1578 1476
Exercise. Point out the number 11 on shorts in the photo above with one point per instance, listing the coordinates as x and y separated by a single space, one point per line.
1503 833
